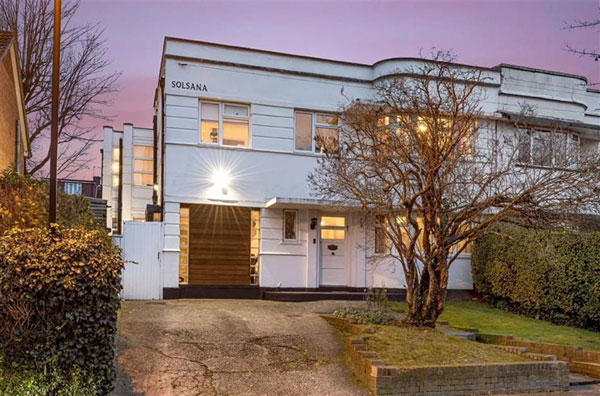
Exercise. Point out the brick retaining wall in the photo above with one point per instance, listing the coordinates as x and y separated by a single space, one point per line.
562 352
470 379
581 361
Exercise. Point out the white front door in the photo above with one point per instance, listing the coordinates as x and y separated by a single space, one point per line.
333 250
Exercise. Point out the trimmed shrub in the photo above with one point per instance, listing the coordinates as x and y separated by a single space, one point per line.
58 303
550 275
365 315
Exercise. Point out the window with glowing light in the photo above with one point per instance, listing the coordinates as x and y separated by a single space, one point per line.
209 122
143 165
224 123
184 244
382 241
333 227
254 245
115 165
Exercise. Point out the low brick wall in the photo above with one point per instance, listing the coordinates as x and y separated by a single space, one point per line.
472 379
581 361
562 352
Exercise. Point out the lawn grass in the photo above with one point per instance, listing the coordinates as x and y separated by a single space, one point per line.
404 347
491 320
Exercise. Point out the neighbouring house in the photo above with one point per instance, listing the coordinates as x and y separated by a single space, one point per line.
13 123
91 189
234 140
87 188
127 174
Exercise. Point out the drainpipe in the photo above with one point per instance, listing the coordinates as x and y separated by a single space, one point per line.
120 197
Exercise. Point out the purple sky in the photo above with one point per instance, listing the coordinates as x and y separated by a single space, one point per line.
484 32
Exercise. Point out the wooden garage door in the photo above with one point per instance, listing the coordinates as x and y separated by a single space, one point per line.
219 245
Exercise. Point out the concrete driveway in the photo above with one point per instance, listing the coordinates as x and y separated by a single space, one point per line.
230 347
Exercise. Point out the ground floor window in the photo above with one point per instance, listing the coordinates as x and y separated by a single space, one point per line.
184 244
382 240
290 225
254 245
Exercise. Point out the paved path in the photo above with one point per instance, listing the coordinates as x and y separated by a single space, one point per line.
230 347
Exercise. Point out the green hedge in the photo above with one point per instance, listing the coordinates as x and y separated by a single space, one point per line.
550 275
59 302
16 380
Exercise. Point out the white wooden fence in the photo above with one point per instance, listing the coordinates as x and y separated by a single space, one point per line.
142 275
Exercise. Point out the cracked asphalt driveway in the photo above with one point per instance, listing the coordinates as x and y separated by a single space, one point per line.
230 347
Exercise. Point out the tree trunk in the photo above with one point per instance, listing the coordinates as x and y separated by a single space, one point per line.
426 297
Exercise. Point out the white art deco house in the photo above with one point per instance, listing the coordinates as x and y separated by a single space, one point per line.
234 141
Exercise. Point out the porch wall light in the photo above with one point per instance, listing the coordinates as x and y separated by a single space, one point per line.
221 179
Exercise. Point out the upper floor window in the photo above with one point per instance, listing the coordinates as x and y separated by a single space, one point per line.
318 132
548 148
73 188
115 165
143 157
425 132
224 123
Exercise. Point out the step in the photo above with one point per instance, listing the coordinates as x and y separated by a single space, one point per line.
512 349
323 295
582 379
587 368
462 334
540 357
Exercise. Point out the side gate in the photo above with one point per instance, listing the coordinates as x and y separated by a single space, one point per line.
141 244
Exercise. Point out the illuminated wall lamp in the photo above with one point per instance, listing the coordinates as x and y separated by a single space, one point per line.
221 179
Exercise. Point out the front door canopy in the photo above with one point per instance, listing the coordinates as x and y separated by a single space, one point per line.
308 203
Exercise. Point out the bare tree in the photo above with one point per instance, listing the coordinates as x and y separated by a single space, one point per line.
424 159
85 84
592 24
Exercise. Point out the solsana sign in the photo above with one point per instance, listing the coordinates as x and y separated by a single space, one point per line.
189 85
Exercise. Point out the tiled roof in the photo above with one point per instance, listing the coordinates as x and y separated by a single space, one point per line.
6 39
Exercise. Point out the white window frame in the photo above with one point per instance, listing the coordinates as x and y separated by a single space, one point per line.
283 238
314 126
222 116
151 159
73 188
531 131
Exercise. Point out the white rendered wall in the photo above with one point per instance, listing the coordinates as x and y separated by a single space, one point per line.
274 86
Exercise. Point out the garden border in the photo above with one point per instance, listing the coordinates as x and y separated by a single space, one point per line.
471 379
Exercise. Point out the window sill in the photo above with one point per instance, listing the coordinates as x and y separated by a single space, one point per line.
216 146
290 243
